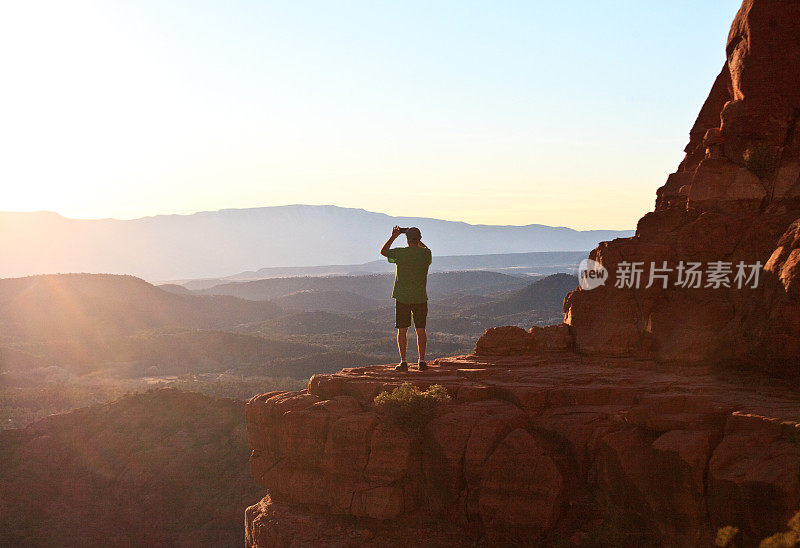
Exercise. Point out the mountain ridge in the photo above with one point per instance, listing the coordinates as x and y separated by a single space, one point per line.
296 205
218 243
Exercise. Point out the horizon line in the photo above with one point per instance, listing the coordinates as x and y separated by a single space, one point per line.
44 211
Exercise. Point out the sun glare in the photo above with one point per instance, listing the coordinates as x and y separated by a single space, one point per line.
87 109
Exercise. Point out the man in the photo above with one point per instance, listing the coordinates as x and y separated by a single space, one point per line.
409 293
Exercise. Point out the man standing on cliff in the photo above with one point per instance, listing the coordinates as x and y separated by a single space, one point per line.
409 293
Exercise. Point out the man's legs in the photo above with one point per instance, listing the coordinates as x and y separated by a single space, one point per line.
402 342
402 321
422 339
420 312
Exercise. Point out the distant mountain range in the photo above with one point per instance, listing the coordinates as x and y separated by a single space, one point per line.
221 243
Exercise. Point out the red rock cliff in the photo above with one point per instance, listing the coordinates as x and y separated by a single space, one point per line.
732 198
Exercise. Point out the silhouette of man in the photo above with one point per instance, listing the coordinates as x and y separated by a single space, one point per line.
410 293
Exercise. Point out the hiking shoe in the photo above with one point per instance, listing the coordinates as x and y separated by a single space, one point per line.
422 366
402 366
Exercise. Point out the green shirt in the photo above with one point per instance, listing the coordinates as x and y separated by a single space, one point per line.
412 273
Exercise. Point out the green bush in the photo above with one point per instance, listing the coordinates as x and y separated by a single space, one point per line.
410 408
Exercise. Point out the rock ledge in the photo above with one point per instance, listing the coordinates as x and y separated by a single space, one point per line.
531 449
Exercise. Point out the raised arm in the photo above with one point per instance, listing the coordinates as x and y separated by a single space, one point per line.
390 241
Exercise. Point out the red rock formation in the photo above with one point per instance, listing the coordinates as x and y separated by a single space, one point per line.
511 340
531 449
733 196
780 341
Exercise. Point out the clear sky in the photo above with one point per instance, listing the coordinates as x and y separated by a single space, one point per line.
500 112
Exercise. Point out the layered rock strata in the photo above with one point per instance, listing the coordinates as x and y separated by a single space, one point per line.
532 449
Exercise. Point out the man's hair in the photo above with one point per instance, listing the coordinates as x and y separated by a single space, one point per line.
413 234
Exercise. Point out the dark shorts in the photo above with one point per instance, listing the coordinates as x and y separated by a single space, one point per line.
403 313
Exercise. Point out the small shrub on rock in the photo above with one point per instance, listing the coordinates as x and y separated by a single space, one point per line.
410 408
725 536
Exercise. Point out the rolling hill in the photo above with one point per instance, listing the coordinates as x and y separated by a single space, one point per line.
99 306
372 286
313 323
328 300
542 295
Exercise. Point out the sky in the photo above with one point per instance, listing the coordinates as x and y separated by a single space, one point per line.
493 112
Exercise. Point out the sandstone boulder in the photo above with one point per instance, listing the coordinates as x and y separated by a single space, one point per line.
512 340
